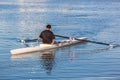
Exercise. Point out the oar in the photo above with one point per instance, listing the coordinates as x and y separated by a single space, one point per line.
111 45
28 40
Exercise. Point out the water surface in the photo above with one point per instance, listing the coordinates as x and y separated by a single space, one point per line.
97 20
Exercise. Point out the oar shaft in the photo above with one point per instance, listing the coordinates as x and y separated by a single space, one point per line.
62 36
85 40
97 42
28 40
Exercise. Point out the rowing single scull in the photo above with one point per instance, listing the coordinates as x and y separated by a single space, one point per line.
44 47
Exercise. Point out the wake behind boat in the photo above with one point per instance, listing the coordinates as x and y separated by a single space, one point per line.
44 47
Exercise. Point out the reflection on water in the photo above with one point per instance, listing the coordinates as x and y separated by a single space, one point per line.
23 56
47 61
72 55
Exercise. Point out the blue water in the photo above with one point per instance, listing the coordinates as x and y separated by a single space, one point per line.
99 20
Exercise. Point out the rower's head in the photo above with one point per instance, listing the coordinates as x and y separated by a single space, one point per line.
48 27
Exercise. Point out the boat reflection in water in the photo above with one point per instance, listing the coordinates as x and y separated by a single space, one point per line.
47 61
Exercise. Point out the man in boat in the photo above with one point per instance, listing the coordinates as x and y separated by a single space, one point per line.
47 35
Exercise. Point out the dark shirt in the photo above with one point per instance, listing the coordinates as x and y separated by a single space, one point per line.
47 36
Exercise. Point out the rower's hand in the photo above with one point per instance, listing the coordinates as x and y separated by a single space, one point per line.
38 38
53 41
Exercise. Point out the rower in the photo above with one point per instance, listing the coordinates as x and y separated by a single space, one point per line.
47 35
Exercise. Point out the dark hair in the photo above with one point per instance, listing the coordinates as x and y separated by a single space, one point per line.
48 26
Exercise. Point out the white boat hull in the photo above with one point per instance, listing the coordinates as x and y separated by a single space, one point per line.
43 47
